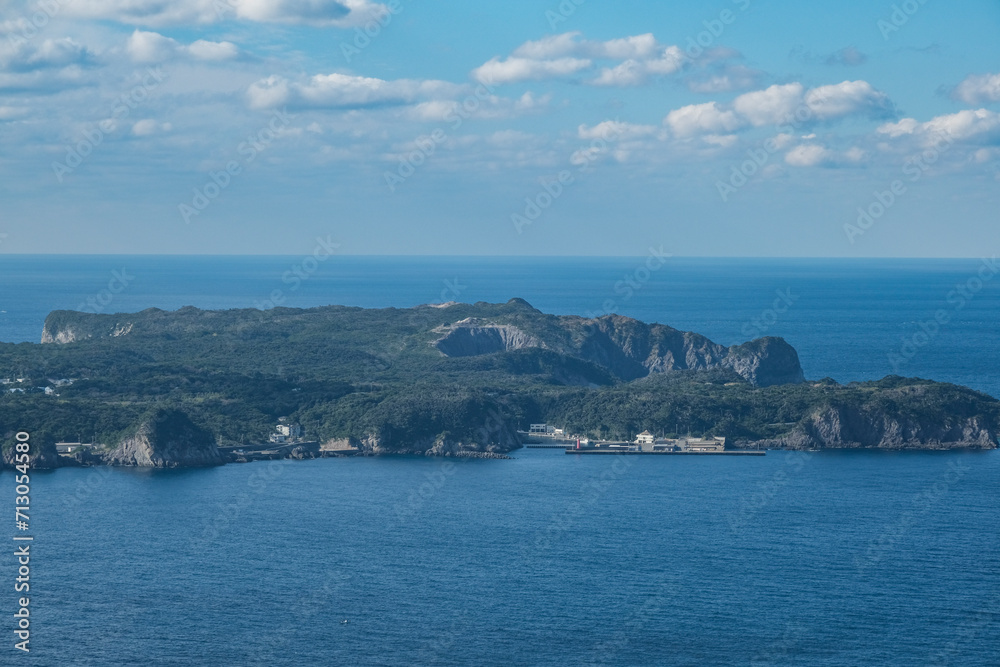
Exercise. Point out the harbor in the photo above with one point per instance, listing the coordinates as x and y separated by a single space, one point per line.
543 436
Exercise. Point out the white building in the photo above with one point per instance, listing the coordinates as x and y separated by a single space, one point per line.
644 438
286 433
70 447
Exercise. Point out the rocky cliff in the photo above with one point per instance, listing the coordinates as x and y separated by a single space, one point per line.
628 348
41 455
166 439
883 423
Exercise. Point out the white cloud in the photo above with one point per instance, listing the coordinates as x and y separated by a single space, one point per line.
771 106
205 50
628 73
151 47
50 65
491 107
616 130
26 56
553 46
346 91
809 155
148 126
780 104
635 47
497 72
340 13
720 140
702 118
670 60
981 127
978 89
148 47
847 98
560 56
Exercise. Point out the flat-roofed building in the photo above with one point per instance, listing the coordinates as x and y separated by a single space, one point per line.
644 438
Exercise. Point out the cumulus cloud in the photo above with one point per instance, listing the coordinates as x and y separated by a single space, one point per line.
497 72
615 130
979 127
340 13
151 47
780 104
703 118
47 66
978 89
488 107
848 98
345 91
148 126
27 56
568 54
770 106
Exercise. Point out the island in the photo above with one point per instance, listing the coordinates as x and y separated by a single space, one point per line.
198 387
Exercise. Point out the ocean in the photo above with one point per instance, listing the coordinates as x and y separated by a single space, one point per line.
827 558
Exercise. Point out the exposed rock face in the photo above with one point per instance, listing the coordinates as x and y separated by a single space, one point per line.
766 362
65 335
167 439
841 427
41 456
630 349
467 339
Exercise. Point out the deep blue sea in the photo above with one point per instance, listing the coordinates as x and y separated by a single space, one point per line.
855 558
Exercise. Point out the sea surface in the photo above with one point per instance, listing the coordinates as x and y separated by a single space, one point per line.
828 558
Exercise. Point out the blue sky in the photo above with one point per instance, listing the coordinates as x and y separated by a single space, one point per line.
851 129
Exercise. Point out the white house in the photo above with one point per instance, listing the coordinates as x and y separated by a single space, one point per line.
286 433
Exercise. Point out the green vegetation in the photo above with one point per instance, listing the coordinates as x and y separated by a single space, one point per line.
349 372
